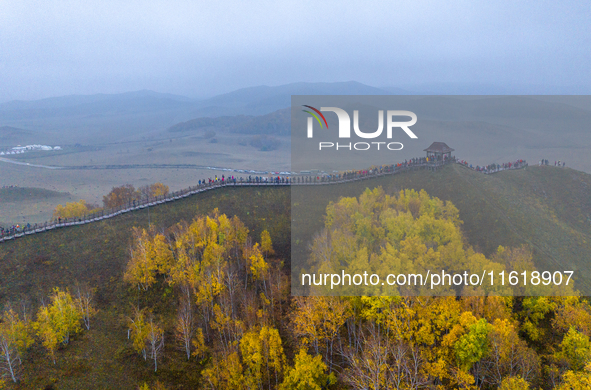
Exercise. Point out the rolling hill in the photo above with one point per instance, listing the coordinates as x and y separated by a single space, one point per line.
264 99
21 194
12 136
110 117
545 208
276 123
487 128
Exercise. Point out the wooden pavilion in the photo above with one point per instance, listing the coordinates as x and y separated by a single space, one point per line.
439 151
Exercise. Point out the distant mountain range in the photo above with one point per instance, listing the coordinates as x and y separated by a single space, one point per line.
109 118
104 118
263 99
246 101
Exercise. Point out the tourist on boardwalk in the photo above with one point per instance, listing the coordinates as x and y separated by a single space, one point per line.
323 177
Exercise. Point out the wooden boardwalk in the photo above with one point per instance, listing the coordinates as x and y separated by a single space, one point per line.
307 180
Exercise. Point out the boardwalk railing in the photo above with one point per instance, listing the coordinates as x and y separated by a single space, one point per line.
320 179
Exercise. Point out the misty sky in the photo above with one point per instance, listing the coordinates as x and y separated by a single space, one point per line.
198 48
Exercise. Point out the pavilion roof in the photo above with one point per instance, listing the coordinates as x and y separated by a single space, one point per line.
439 147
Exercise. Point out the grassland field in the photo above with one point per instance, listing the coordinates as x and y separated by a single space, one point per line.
91 184
134 155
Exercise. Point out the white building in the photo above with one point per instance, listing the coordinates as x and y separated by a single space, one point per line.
21 149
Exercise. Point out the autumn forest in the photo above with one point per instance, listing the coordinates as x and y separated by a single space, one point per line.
213 296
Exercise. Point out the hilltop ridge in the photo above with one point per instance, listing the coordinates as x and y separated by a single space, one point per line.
545 208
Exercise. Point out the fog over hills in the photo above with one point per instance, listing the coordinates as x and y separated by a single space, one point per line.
275 123
263 99
109 118
144 137
114 117
487 128
254 100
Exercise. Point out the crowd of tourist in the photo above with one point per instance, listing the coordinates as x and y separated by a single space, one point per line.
557 163
492 168
251 179
304 179
14 229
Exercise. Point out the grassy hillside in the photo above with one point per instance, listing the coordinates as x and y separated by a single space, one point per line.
21 194
276 123
97 254
547 208
11 136
22 205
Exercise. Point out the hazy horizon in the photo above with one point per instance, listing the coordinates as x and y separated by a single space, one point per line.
204 49
416 89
